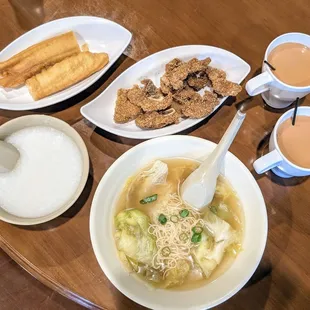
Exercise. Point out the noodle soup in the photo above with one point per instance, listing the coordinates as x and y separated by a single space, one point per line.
169 244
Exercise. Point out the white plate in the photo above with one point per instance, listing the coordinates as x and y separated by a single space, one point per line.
102 35
100 111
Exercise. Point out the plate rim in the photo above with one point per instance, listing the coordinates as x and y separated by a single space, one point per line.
10 107
151 134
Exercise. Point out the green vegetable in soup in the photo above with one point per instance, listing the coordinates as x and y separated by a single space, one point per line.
196 238
202 253
132 236
162 219
176 276
148 199
184 213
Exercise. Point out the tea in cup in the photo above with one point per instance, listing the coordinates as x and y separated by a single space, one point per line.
289 55
289 146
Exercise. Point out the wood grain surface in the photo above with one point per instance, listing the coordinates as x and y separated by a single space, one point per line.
59 253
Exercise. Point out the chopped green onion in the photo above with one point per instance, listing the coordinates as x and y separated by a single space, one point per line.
166 251
184 213
183 237
174 218
213 209
196 238
162 219
197 229
148 199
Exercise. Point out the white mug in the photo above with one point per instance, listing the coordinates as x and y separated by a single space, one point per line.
275 160
274 92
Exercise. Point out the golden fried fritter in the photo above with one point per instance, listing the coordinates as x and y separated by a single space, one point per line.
200 108
17 69
139 97
220 85
177 71
125 111
65 73
155 120
199 81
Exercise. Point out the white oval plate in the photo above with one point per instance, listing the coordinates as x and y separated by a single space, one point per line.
100 111
102 35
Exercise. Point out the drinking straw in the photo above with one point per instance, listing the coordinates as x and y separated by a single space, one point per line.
269 65
295 111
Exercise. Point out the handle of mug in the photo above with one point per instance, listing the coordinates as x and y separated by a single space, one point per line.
258 84
267 162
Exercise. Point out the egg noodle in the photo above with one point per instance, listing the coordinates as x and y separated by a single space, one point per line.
173 239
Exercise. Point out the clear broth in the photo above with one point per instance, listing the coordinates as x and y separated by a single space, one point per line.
179 170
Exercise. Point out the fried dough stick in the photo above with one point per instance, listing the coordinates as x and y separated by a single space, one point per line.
16 70
65 73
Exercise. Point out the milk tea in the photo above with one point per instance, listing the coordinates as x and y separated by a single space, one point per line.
294 141
292 63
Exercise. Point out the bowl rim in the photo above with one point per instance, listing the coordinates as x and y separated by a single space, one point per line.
23 221
94 206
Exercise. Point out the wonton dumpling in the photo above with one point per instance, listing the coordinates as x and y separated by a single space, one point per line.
157 174
210 253
146 181
132 236
177 275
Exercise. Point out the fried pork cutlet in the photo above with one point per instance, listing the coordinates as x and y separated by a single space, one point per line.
177 71
198 81
149 98
173 64
177 107
220 85
196 65
125 111
16 70
150 89
155 120
66 73
165 85
202 107
186 95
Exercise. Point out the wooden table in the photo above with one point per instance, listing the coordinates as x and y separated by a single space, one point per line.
59 253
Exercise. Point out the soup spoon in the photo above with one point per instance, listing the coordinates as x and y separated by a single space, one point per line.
9 156
199 187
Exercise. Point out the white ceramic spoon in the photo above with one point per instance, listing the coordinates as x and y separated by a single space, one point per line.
199 187
9 156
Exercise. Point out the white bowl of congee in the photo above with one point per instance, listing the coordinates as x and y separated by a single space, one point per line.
162 253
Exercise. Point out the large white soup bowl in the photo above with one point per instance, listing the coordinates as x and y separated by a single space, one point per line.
103 212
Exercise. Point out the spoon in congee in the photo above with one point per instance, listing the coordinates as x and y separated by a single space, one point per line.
199 187
9 156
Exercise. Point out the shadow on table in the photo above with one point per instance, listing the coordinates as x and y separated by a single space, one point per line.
71 212
60 106
118 139
29 13
283 110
